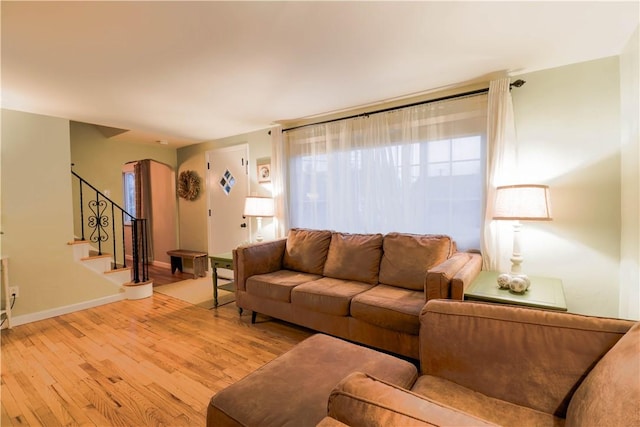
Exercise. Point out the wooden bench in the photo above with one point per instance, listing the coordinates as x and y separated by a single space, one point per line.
199 260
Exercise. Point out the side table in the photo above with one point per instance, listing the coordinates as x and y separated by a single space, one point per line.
544 292
224 260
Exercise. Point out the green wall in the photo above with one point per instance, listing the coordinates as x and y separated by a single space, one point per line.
99 160
37 218
630 194
568 125
193 214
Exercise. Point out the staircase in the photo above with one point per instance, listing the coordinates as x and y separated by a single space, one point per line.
84 254
104 221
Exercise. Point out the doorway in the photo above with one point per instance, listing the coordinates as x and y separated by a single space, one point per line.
227 188
154 199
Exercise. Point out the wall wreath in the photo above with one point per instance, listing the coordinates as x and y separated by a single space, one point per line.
188 185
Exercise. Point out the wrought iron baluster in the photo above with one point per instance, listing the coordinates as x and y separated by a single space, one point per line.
81 212
113 234
124 251
98 221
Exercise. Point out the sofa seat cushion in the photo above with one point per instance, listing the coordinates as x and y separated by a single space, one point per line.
363 400
482 406
306 250
389 307
597 401
327 295
407 258
277 285
354 257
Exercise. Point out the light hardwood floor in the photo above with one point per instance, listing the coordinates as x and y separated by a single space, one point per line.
163 276
150 362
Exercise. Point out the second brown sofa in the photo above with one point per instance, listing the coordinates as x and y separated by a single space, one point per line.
367 288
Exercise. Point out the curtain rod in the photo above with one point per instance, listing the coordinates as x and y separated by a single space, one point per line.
517 83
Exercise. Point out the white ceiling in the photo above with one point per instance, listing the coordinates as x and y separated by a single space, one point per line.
189 72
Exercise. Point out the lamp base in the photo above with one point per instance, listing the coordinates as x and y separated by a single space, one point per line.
259 237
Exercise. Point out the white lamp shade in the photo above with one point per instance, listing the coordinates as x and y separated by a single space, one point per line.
258 206
526 202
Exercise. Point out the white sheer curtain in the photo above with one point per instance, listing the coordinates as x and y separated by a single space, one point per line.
278 180
417 170
502 169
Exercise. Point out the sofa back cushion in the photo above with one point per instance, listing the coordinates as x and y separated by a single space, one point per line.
406 258
354 257
609 395
306 250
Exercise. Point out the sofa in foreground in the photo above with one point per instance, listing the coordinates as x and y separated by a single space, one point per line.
480 364
367 288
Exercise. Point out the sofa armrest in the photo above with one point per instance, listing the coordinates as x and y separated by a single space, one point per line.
438 281
362 400
258 258
529 357
467 274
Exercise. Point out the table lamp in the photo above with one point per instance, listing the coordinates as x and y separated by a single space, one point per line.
259 207
524 202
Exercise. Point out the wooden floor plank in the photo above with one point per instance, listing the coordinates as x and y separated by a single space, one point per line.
73 404
5 419
24 396
163 276
10 408
155 361
96 417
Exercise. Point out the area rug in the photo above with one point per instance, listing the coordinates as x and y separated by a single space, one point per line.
199 291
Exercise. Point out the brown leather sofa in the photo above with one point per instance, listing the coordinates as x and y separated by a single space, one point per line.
494 364
367 288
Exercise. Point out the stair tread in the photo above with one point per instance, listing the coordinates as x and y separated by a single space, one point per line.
117 270
138 284
95 257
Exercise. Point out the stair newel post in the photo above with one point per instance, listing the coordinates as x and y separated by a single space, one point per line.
134 249
143 249
145 258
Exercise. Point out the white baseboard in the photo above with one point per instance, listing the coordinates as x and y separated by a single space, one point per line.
161 264
59 311
154 262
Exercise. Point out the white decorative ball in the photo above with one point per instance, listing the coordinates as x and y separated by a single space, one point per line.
518 285
503 281
524 277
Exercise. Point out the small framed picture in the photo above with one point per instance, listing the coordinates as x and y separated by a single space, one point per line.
264 172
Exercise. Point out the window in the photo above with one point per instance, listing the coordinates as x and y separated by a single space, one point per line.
415 171
129 191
